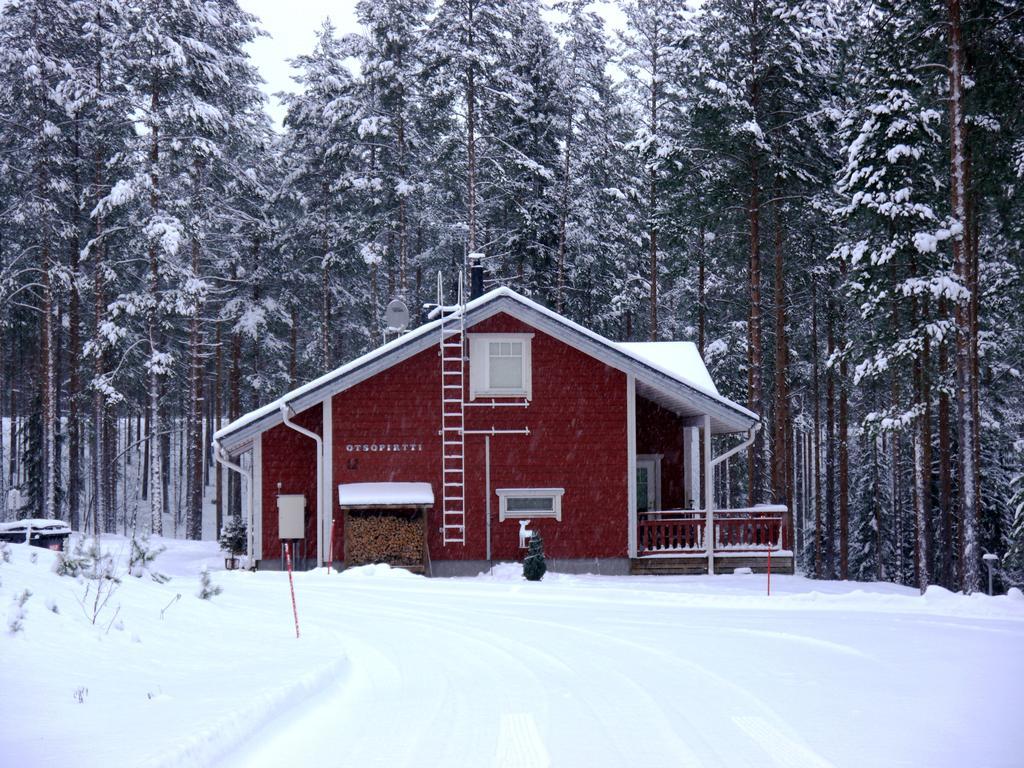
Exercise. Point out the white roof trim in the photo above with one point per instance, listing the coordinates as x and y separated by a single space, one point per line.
621 356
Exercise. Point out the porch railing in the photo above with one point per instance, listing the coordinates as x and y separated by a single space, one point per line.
682 532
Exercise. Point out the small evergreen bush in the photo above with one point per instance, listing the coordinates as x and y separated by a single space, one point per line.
141 559
207 588
74 563
534 566
16 618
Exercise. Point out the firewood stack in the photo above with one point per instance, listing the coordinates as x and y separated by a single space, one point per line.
384 538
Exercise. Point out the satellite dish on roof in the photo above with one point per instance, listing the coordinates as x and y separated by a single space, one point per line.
396 315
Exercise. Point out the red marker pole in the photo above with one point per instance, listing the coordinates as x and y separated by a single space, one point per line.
291 586
769 573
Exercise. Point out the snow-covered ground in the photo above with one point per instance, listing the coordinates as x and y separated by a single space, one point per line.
397 670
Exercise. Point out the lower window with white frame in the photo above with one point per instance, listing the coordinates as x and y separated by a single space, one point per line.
529 502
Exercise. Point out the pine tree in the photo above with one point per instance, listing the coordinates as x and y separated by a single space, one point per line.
888 186
598 218
390 55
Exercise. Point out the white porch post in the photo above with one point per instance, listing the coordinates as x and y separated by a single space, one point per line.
691 467
325 509
631 460
709 498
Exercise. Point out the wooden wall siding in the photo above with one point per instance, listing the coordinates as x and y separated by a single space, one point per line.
290 458
578 442
661 431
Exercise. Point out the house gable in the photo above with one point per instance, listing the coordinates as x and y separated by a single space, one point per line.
654 382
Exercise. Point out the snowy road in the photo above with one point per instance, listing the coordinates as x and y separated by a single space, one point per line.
600 672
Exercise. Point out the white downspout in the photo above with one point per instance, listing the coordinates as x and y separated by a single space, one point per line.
709 487
751 434
221 456
285 408
487 491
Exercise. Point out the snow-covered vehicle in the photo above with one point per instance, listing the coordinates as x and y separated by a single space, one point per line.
49 534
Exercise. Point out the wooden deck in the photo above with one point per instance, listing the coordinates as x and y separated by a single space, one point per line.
674 541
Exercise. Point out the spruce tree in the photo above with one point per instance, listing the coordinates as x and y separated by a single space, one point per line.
534 566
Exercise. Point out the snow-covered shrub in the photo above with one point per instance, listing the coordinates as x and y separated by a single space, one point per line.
207 588
72 563
80 693
233 536
534 566
5 552
141 558
16 618
99 572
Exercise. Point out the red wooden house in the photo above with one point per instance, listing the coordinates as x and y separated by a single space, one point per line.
443 449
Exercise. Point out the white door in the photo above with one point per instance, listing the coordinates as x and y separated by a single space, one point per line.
648 483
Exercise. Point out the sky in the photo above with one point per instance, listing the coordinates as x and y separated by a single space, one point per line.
291 27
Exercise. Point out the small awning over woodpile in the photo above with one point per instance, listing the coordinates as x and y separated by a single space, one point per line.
385 495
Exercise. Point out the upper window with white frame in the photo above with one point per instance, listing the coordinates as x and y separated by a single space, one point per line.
499 365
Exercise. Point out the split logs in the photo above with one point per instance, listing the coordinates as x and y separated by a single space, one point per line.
382 537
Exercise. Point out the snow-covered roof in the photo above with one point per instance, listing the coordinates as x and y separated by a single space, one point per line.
681 385
680 358
385 494
37 524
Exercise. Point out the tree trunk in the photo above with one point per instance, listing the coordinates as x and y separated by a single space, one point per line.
156 464
99 403
781 493
965 364
218 394
947 576
49 388
754 354
701 291
234 411
194 464
12 429
830 442
563 213
816 398
922 446
75 347
844 443
471 138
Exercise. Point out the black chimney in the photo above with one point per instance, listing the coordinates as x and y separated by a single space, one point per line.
476 276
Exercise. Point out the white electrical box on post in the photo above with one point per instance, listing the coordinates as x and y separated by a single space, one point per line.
291 516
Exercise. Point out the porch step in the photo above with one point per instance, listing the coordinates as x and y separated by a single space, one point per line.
668 566
691 566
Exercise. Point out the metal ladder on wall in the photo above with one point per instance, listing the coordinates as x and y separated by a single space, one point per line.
453 419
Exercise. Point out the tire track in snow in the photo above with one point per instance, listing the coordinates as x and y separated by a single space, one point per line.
418 698
620 741
608 737
733 712
478 681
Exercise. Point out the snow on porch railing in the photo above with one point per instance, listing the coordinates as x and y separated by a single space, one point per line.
753 529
